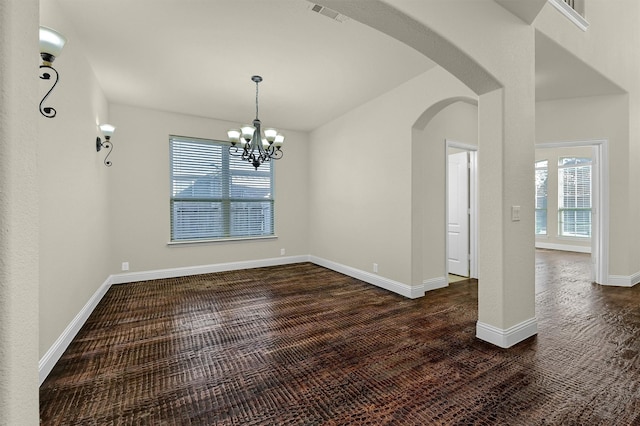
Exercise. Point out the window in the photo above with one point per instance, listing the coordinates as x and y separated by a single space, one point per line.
215 195
574 197
577 5
573 10
542 176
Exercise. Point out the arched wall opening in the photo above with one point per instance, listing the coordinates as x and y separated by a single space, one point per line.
449 120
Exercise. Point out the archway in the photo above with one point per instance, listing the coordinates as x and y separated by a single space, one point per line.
506 306
429 223
600 198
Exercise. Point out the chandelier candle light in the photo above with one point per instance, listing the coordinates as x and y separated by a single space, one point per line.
254 147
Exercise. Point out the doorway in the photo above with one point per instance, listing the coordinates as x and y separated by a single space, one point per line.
461 210
600 203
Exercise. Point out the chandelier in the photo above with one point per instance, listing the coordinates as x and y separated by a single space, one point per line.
250 143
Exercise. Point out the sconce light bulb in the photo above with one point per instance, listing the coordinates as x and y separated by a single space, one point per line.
107 130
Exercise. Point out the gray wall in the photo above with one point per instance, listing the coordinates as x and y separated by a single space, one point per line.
140 191
72 189
361 200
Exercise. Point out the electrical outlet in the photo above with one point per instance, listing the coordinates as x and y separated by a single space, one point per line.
375 268
125 266
282 252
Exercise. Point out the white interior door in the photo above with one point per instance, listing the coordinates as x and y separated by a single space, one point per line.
458 214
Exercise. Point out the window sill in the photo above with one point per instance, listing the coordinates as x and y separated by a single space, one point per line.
576 239
220 240
571 14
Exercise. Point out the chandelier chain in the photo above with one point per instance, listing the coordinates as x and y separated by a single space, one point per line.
257 100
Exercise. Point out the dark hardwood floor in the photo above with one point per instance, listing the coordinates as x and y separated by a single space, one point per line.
302 345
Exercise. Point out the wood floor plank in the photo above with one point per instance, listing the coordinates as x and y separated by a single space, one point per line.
303 345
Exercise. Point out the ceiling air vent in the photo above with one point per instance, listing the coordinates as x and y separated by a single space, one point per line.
328 13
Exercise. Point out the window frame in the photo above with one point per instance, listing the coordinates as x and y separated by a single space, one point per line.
539 167
225 230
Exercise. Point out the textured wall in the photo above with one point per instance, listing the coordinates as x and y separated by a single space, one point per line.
18 212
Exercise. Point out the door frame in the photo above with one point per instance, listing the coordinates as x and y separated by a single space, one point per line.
600 203
473 205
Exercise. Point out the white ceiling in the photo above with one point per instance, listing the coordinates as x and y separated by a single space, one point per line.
197 57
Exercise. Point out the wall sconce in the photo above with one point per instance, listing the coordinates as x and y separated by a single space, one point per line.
51 44
107 131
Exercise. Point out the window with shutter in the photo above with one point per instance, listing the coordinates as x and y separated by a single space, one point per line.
574 197
215 195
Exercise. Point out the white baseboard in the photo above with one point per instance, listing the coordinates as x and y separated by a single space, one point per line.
435 283
402 289
157 274
510 336
49 360
624 280
563 247
54 353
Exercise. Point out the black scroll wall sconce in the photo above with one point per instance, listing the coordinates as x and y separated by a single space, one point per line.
51 44
107 130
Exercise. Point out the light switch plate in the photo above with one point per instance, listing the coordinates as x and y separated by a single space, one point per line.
515 213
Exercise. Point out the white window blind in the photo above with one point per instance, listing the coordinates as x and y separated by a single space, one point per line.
215 195
574 197
542 175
